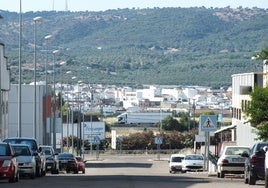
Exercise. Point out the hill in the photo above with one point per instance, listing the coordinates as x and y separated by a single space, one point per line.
181 46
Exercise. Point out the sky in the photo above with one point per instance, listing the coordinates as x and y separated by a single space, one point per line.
102 5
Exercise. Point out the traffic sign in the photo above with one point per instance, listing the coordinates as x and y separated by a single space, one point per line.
158 140
96 140
208 123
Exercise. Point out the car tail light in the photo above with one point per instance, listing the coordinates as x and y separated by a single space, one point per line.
254 160
6 163
224 161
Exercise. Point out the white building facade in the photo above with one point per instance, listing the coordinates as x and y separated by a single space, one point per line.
242 84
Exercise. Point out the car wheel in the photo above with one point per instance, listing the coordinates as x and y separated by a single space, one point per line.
13 178
33 175
222 174
218 174
17 177
266 178
84 171
57 171
245 177
44 172
38 171
251 179
76 171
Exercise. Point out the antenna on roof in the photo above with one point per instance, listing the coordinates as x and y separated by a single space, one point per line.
53 5
66 5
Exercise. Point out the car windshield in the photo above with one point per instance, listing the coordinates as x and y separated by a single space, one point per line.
260 146
194 157
22 150
66 155
30 143
236 150
177 159
4 150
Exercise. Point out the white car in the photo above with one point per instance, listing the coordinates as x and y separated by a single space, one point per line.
175 162
26 160
193 162
231 160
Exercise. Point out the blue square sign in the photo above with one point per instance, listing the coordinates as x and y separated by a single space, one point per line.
208 123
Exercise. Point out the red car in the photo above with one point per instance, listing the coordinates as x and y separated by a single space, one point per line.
81 164
8 163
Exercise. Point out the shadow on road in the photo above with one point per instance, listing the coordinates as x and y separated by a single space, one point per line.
118 165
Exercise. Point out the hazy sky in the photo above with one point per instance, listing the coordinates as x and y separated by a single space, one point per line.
99 5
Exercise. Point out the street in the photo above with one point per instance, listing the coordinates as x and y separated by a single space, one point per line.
130 171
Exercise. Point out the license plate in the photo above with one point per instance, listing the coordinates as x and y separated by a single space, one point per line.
238 160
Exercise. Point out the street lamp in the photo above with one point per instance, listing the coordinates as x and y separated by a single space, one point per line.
47 38
19 81
80 83
55 52
61 64
36 20
68 116
73 78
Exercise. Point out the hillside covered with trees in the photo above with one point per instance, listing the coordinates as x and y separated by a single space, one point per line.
171 46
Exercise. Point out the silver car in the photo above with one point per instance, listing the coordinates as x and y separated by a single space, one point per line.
52 160
26 160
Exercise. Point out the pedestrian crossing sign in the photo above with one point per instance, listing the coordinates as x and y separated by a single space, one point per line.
208 123
158 140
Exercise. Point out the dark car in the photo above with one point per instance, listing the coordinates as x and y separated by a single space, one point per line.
254 164
39 156
8 163
52 159
68 162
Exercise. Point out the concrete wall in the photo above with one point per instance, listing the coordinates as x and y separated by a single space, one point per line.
27 114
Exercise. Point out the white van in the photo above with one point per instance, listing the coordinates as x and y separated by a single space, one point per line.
175 163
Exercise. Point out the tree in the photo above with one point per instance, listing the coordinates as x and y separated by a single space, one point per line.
169 124
258 111
263 55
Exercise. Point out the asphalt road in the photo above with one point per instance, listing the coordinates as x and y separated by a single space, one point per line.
130 171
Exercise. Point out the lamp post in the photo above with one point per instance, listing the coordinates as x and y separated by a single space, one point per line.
55 52
61 64
80 83
47 38
73 78
36 20
68 117
19 81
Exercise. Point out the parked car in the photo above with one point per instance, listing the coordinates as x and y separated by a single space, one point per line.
254 164
52 159
266 169
192 162
39 156
26 160
68 162
81 164
8 163
175 162
231 160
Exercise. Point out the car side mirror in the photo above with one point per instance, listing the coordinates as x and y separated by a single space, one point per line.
40 149
245 155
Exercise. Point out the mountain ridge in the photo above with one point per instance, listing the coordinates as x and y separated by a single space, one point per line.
183 46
